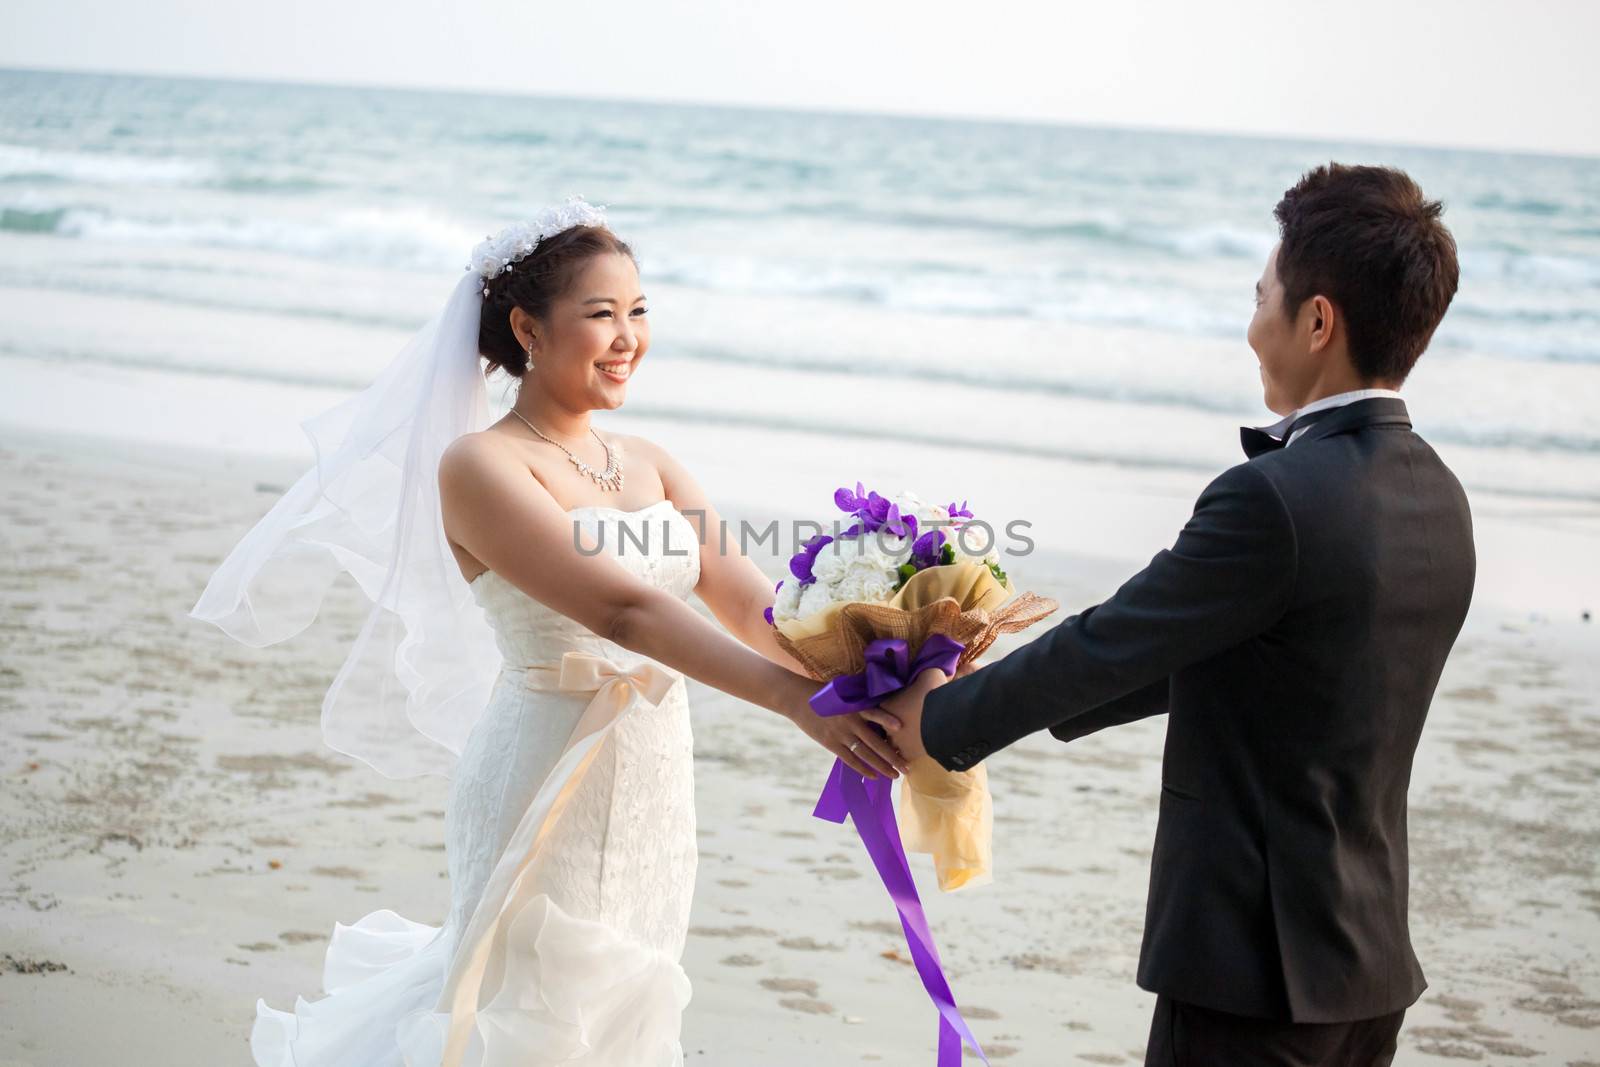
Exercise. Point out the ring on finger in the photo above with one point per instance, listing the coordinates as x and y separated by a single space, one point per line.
855 745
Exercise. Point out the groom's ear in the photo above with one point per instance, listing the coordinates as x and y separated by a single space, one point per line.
1323 321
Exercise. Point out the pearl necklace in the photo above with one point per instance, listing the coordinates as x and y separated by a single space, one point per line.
610 478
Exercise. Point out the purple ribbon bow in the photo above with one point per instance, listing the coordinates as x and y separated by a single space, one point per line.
870 805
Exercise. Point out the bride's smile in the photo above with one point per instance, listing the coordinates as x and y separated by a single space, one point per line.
618 370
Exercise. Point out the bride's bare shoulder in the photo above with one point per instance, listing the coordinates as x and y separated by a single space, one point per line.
676 481
482 453
633 444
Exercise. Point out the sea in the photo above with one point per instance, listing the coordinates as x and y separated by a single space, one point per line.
1012 287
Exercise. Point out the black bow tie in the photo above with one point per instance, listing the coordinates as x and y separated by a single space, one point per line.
1257 442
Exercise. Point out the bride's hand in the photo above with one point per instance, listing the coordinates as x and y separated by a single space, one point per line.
854 740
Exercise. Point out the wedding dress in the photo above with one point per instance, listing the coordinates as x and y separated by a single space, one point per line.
570 837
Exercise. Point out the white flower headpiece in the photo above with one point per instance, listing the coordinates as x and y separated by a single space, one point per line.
497 254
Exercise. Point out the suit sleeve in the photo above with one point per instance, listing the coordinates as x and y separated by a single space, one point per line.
1130 707
1227 578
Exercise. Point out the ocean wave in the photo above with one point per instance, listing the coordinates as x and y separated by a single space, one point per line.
520 138
1208 241
1530 268
28 163
420 239
25 220
1517 205
950 289
265 183
414 238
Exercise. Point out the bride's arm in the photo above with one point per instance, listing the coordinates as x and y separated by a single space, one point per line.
508 521
731 585
738 594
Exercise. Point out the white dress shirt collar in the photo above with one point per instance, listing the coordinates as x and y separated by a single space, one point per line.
1338 400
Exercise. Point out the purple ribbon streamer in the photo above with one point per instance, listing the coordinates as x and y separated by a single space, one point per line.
870 805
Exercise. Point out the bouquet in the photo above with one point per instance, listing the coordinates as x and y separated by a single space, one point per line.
905 586
901 572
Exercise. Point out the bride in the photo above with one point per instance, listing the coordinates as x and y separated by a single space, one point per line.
529 637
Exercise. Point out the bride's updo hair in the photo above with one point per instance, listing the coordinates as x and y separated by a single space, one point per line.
532 284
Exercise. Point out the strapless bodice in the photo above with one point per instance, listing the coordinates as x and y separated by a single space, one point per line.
656 543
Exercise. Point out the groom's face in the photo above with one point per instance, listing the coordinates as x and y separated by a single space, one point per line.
1280 346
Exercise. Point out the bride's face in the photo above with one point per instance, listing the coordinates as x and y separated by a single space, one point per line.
593 336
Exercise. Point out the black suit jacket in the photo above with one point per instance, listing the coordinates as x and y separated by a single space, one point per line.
1295 632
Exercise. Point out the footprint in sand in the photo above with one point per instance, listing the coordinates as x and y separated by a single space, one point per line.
807 944
810 1007
365 800
300 937
790 985
339 872
731 931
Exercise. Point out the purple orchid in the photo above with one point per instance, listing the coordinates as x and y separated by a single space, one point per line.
898 524
957 513
873 512
848 501
801 562
768 613
925 550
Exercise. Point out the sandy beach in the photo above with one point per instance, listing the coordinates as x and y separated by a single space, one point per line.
177 840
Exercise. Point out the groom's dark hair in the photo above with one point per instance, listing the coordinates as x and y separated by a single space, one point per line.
1368 240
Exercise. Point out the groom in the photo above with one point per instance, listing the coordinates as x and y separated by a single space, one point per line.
1294 635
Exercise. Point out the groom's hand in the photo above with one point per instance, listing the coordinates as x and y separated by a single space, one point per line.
906 706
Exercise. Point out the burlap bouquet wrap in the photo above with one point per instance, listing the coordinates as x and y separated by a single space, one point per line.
949 814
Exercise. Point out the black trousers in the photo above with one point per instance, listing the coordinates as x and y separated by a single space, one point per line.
1183 1035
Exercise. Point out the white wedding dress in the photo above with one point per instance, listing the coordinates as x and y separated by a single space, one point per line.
570 834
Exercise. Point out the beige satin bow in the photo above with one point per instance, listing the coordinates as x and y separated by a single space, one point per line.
616 690
613 687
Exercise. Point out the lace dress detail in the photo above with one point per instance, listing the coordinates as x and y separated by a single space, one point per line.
570 838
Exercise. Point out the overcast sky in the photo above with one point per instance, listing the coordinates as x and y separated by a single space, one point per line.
1478 73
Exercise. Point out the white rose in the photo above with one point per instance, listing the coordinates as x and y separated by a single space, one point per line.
866 568
880 551
816 597
875 588
829 564
848 588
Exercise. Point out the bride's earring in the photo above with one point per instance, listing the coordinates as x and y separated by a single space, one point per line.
530 357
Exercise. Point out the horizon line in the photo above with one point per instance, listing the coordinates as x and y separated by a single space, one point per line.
830 111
